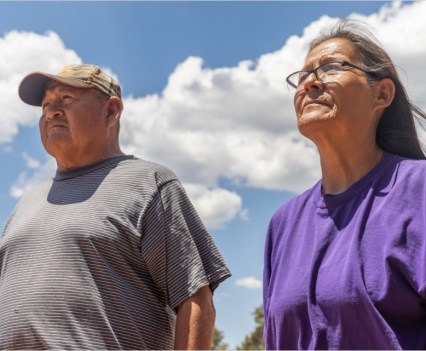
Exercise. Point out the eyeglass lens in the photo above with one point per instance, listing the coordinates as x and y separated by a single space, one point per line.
325 73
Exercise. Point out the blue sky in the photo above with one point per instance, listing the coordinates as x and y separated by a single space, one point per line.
204 93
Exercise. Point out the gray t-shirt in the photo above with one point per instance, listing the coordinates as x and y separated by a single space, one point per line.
100 257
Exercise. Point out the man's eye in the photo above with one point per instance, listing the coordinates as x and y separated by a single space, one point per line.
45 105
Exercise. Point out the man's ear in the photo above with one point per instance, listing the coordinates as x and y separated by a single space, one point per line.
385 93
114 109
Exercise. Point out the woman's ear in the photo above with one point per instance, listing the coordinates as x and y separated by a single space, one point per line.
385 93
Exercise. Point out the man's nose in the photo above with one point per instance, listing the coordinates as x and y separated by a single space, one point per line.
52 111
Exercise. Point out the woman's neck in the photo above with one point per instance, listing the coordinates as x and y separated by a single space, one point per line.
342 167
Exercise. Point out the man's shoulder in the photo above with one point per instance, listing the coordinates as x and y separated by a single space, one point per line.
146 170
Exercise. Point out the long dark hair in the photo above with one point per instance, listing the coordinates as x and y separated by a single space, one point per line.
396 131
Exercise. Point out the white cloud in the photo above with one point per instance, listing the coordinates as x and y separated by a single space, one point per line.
238 122
250 283
31 162
7 149
26 182
21 53
402 30
234 123
215 206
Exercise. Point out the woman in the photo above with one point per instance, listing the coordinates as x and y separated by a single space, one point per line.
345 262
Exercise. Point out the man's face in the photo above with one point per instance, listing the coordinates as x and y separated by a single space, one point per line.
73 124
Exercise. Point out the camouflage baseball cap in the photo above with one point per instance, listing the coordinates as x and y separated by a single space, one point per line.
33 86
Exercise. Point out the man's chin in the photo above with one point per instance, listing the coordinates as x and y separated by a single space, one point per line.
55 146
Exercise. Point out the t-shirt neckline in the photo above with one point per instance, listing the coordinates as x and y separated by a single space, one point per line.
63 175
328 200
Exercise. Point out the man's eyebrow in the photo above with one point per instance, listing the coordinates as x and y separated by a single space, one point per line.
60 89
64 89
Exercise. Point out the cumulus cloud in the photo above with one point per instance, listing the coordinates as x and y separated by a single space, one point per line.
7 149
216 206
32 163
26 181
400 29
238 122
21 53
234 123
250 283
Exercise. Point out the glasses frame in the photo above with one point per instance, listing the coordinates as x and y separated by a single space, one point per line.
314 71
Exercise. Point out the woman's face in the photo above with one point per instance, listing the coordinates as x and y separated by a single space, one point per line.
342 106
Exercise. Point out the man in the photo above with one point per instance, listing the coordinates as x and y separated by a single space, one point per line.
110 254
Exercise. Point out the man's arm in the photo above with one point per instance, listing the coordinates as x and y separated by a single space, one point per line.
195 321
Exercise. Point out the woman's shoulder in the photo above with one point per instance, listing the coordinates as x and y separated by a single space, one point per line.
406 178
411 169
411 163
297 203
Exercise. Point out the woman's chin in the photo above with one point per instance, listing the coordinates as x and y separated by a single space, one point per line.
309 122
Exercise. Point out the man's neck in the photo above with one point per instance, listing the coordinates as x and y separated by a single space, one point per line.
76 162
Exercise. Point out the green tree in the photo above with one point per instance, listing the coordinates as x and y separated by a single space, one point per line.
217 342
255 341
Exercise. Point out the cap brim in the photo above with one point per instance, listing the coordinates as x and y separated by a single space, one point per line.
32 88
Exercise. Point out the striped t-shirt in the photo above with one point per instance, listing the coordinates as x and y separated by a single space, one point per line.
100 257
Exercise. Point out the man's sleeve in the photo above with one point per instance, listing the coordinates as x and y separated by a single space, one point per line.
181 255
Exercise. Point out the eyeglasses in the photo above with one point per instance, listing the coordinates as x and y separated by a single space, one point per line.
326 73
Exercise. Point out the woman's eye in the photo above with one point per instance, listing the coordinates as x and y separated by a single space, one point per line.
331 67
302 76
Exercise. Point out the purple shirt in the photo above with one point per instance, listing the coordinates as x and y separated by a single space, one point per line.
348 271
